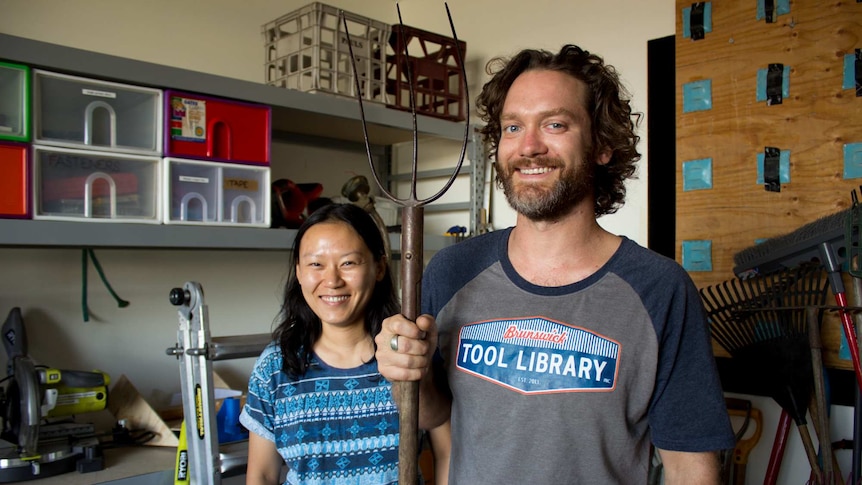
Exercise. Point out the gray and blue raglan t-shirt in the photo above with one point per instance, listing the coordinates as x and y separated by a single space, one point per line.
570 384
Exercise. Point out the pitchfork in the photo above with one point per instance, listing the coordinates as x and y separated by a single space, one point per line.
406 394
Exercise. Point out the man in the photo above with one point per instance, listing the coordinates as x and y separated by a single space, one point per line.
566 350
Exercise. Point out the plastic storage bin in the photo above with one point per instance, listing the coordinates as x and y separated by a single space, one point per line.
89 114
207 128
307 50
434 68
14 102
14 181
95 186
213 193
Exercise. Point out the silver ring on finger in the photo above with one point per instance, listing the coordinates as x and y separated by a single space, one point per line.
393 343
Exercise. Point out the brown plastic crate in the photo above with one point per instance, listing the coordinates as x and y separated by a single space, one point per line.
433 64
307 50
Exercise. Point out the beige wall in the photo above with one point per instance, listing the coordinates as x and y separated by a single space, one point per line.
223 37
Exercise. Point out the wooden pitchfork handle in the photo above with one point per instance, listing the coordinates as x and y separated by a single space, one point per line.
406 394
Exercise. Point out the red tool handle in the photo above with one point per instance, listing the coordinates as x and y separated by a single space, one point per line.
850 335
778 446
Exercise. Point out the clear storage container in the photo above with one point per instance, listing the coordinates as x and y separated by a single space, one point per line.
213 193
95 186
86 113
14 102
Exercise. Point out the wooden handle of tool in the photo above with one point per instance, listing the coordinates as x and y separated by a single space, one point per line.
818 409
407 393
810 452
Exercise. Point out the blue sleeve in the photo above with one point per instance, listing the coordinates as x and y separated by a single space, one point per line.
258 414
688 412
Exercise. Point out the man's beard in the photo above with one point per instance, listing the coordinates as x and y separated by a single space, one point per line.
539 203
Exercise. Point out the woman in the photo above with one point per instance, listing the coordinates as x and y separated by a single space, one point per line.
316 400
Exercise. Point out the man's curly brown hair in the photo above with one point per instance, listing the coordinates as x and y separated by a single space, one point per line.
613 122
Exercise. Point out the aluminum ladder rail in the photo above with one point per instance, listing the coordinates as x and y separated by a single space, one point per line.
196 350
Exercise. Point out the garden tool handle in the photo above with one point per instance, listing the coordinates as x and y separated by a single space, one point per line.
819 408
412 232
406 394
744 446
778 446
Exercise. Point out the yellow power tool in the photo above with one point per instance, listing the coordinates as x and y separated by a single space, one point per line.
31 397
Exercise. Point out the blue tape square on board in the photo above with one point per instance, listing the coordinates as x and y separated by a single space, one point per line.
783 167
782 7
697 255
697 96
853 160
697 174
849 71
785 83
707 20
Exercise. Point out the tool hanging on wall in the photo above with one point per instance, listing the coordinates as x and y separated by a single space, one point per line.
819 408
745 442
852 231
406 394
85 309
821 241
761 323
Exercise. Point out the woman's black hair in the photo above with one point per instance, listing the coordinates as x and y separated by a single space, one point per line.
299 327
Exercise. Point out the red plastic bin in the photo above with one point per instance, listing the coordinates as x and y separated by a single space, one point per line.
208 128
14 181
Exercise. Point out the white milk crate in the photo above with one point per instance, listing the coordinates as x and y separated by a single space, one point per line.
307 50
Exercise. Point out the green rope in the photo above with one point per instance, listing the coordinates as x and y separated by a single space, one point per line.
120 302
84 309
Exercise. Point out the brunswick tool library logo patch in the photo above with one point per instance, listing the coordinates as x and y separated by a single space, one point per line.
534 355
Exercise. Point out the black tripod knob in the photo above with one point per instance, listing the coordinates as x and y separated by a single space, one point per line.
179 296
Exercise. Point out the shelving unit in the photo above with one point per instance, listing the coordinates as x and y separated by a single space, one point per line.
58 234
320 116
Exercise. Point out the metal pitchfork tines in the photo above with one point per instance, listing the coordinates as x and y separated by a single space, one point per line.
406 394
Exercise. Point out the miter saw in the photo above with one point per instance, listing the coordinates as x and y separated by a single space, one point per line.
36 443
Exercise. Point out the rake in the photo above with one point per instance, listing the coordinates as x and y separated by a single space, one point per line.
762 323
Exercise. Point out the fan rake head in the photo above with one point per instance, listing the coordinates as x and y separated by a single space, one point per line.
743 312
761 322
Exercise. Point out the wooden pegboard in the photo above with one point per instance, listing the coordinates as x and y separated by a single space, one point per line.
813 123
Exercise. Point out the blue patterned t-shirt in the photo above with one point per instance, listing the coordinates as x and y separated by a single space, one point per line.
331 426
